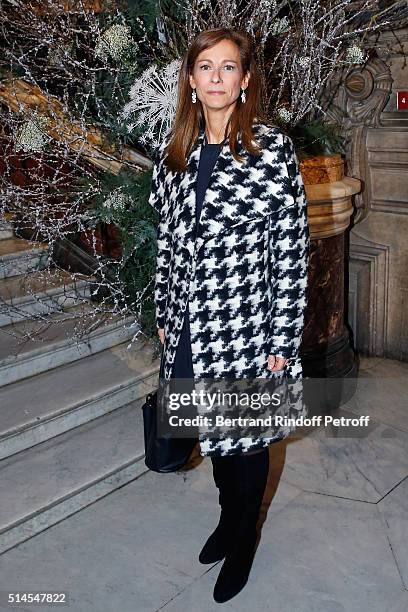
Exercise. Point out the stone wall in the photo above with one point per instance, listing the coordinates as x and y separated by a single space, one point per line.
377 136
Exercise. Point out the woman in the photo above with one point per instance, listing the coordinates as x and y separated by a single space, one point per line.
232 258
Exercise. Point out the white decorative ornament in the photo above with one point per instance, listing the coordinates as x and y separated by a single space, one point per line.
266 6
114 43
284 115
354 55
116 200
153 101
279 26
304 62
31 137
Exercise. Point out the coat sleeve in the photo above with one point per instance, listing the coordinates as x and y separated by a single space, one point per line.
289 242
157 201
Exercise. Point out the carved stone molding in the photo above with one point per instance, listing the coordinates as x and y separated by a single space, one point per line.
363 102
369 274
387 170
362 94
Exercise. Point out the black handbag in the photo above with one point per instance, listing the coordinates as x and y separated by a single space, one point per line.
167 453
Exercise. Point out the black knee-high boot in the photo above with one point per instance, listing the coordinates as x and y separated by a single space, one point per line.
248 476
215 547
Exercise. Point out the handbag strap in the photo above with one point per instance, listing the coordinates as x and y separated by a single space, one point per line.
161 362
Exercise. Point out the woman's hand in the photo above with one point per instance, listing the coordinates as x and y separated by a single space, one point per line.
276 363
161 335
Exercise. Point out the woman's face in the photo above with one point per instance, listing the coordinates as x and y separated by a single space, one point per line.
217 75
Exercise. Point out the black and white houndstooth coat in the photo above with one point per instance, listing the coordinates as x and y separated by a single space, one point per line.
244 273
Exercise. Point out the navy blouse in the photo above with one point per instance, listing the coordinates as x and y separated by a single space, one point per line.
183 364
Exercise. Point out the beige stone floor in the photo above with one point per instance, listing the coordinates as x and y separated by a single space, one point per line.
335 538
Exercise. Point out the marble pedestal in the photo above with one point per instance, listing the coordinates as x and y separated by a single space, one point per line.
327 348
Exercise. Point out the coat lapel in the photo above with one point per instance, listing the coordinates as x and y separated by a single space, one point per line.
216 210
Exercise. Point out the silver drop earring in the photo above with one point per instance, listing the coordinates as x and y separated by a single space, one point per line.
243 96
194 96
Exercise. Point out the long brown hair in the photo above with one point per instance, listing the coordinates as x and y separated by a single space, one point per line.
189 116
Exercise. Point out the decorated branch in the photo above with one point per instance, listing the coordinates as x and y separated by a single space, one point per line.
88 88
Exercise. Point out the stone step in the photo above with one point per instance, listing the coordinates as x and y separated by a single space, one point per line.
43 485
6 229
19 256
41 292
55 346
43 406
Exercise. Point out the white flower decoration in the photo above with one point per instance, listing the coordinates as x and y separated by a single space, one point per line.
284 115
114 43
31 136
354 55
153 100
279 26
304 62
116 200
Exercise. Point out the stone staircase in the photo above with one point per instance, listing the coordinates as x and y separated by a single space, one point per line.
71 428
